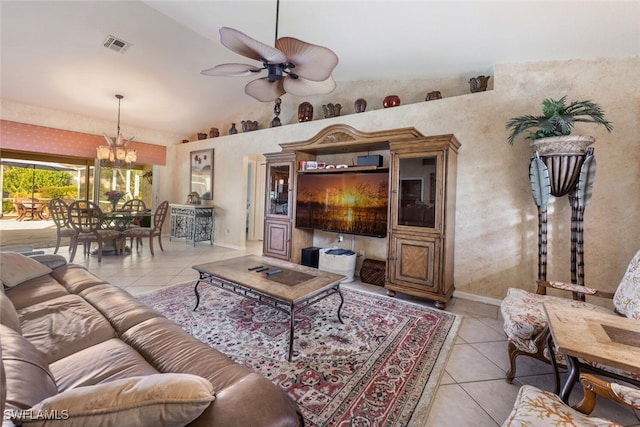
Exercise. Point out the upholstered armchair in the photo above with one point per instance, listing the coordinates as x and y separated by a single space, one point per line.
525 322
534 407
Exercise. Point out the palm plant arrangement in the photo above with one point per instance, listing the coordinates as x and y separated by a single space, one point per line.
558 119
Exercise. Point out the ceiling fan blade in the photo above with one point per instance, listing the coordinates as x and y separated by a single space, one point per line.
263 90
244 45
312 62
231 70
304 87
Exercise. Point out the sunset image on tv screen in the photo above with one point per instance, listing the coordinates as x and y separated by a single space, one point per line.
352 203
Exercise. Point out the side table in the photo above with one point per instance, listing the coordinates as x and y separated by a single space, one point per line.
583 334
193 222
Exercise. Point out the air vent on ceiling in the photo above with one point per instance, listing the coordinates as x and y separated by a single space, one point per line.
116 44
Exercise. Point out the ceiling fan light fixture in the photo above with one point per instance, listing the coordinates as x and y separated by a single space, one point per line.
275 72
313 64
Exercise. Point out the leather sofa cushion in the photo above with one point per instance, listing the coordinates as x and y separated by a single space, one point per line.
35 291
153 400
8 314
107 361
167 347
27 375
118 306
170 349
63 326
75 278
16 268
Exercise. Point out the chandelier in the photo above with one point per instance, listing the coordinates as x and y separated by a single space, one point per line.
116 154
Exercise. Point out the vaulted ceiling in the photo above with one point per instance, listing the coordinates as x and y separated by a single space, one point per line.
53 55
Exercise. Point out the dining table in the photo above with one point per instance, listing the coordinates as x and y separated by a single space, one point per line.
120 220
34 208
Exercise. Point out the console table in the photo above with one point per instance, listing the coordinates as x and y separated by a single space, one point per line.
193 222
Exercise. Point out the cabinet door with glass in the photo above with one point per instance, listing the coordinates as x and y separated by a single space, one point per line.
416 189
278 201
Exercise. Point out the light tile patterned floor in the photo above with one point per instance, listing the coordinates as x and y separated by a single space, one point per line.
472 391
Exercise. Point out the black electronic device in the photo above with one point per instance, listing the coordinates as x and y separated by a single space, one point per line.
310 256
372 160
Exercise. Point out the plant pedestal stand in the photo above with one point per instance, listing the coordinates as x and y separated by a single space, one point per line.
560 175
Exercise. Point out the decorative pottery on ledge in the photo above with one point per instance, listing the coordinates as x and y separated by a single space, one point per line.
360 105
478 84
433 95
331 110
248 125
391 101
305 112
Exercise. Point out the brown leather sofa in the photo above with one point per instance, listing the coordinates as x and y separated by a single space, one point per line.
79 351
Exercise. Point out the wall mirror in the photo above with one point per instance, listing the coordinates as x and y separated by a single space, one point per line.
202 173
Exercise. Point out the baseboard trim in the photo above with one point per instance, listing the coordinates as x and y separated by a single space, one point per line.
478 298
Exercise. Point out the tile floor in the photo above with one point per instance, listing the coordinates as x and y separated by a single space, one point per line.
472 391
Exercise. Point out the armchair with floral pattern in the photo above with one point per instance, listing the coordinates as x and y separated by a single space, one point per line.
535 407
525 322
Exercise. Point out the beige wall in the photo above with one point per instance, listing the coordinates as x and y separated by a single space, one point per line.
496 219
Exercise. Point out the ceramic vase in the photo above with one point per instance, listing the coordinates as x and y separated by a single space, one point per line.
305 112
233 130
478 84
360 105
391 101
433 95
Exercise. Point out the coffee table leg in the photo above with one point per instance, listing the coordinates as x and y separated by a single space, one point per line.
195 290
574 373
341 303
291 317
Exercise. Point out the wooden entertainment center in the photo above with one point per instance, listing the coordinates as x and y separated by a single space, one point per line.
421 213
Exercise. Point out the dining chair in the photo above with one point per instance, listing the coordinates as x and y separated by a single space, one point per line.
20 210
526 325
85 217
134 205
539 408
58 211
150 232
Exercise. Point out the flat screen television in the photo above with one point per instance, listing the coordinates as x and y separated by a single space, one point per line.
346 202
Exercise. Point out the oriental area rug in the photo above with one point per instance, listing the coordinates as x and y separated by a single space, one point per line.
379 368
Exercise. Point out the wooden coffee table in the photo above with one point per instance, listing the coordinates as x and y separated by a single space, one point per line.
290 290
593 336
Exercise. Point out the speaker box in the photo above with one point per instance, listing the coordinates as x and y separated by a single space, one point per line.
372 160
310 256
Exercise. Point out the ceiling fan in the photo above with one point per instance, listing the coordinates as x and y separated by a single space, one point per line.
293 66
